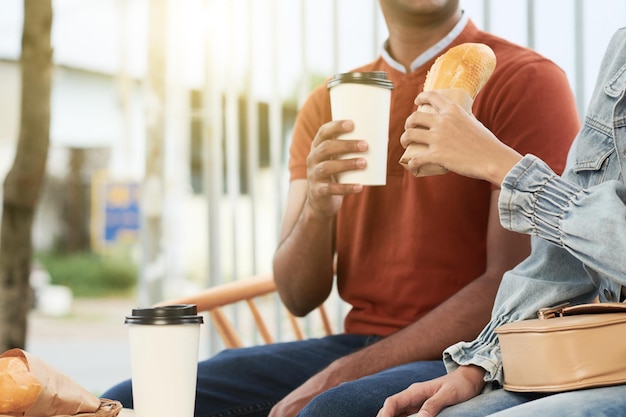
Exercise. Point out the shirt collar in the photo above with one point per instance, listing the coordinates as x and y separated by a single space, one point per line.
432 52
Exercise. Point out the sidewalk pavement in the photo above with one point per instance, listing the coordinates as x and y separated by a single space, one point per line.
90 344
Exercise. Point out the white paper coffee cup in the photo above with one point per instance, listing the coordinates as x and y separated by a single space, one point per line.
364 98
164 360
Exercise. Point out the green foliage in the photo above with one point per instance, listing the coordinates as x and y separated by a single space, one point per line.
91 275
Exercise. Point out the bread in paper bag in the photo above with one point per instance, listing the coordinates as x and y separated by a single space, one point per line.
18 388
31 388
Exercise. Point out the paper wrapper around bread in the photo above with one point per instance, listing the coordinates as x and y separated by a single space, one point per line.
459 74
59 395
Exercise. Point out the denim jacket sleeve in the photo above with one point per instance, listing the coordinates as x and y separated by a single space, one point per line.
584 221
577 221
577 249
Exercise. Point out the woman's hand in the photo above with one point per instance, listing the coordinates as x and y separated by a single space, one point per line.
457 141
428 398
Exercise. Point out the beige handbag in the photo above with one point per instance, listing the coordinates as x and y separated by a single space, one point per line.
566 348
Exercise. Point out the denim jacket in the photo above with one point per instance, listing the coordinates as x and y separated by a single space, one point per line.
577 221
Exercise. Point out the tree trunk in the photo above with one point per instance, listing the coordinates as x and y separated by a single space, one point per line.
23 183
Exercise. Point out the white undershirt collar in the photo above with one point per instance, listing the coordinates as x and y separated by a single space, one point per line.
431 52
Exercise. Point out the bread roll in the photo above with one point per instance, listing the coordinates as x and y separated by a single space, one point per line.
460 74
18 388
464 67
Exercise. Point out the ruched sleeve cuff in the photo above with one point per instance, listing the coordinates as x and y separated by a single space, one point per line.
533 199
484 352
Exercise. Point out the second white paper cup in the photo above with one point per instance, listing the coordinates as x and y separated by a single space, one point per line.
364 98
164 360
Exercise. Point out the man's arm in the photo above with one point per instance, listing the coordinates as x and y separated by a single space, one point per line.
303 262
461 317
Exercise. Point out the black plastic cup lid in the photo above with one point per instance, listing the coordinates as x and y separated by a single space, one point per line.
171 314
378 78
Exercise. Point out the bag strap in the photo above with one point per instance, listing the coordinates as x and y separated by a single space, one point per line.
565 309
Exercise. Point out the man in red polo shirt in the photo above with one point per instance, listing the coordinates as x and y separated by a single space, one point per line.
419 260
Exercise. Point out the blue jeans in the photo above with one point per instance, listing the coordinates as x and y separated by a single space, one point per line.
249 381
594 402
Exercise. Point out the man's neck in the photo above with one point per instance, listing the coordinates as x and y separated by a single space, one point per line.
408 41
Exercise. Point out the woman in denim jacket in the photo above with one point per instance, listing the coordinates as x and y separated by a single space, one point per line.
578 224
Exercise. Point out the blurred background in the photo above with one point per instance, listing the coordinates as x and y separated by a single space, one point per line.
170 128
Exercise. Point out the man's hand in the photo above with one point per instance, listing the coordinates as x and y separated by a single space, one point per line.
324 194
428 398
293 403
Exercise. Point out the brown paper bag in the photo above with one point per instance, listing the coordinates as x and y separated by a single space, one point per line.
61 396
